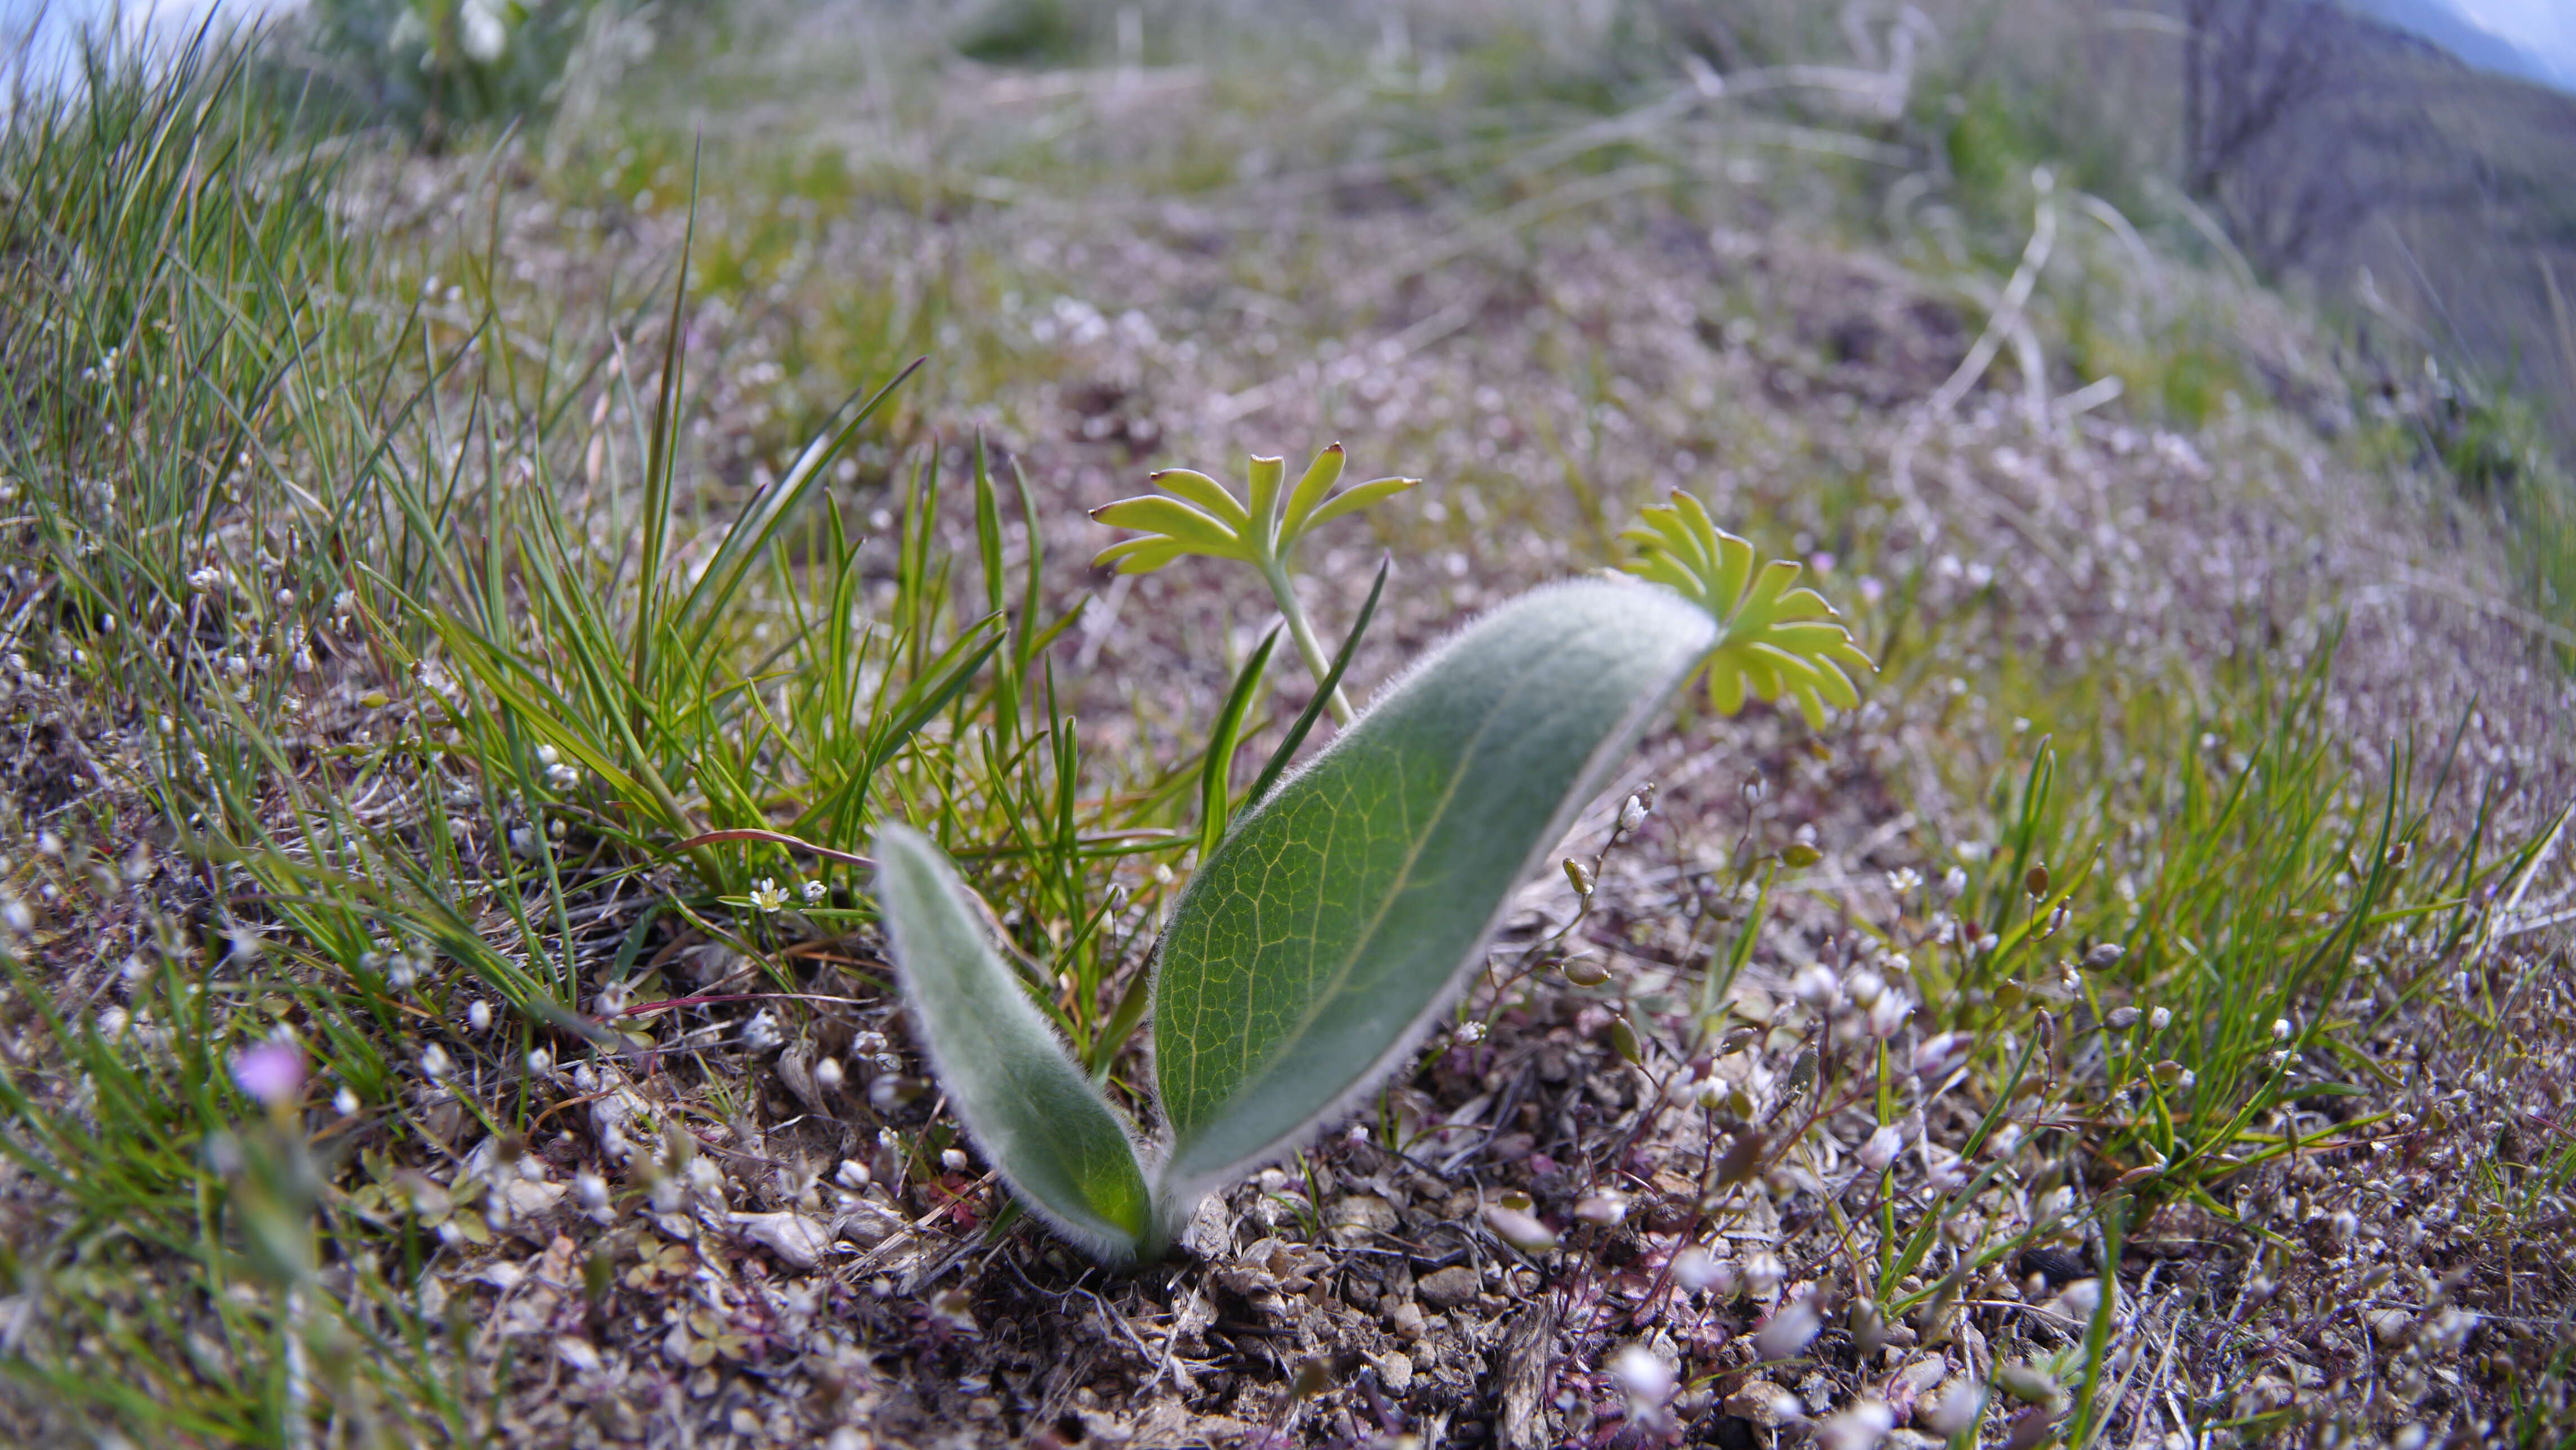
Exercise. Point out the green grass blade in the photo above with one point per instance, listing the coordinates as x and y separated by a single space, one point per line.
768 510
1326 691
1215 788
1031 1107
1314 947
662 455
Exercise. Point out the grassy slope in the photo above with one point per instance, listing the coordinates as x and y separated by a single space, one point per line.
342 712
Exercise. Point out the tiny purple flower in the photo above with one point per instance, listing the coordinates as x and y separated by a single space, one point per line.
272 1072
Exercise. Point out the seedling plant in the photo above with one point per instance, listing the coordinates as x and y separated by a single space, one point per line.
1338 912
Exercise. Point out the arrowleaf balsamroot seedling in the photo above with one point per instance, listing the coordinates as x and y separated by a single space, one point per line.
1335 918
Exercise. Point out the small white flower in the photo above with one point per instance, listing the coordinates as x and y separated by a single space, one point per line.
1632 814
827 1074
541 1063
434 1062
1763 1273
345 1103
1792 1328
479 1016
953 1159
1862 1427
1938 1057
484 30
1882 1148
768 896
814 892
2158 1019
1604 1209
1696 1268
1888 1013
2280 1029
1470 1031
761 1033
1903 880
1815 986
1647 1376
591 1189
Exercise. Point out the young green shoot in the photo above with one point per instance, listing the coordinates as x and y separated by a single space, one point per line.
1335 919
1195 514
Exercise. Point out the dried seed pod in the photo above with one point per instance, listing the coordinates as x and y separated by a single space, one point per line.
1742 1158
1802 1076
1584 972
1623 1040
2035 881
1312 1377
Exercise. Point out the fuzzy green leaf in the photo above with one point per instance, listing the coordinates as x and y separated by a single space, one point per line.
1036 1115
1313 948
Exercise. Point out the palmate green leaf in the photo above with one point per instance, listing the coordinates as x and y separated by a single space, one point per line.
1312 949
1195 514
1041 1123
1776 640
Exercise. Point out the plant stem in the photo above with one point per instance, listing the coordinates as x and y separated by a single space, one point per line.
1310 649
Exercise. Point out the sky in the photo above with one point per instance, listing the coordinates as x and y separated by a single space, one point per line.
56 22
2546 28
